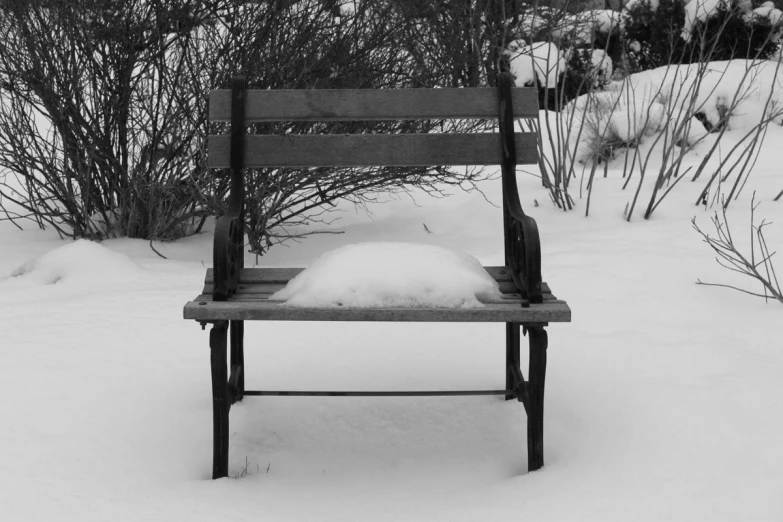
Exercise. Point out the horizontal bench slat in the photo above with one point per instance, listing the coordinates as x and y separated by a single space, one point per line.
281 275
366 150
248 310
371 104
433 393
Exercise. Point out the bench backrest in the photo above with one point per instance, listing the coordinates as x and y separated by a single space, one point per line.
355 150
506 147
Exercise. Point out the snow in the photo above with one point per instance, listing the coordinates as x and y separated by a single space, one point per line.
631 3
532 21
570 29
770 13
392 274
542 57
763 12
662 398
612 114
657 101
76 263
602 64
522 68
756 85
604 19
699 11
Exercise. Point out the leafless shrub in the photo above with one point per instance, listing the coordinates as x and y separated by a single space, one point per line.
652 129
103 113
370 45
756 264
100 130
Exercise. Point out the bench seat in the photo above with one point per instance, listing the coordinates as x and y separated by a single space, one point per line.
251 302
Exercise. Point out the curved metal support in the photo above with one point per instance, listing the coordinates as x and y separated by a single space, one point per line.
227 255
522 242
228 246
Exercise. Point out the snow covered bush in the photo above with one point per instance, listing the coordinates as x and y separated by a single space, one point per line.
660 32
558 25
611 121
560 76
655 118
540 63
588 43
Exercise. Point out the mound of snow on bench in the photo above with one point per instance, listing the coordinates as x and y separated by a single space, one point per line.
373 275
80 261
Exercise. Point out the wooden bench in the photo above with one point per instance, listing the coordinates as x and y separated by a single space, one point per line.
233 294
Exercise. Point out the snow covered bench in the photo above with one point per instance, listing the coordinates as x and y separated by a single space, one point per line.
233 294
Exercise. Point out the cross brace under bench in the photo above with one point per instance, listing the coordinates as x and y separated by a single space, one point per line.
233 294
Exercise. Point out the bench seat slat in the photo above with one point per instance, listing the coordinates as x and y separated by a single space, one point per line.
262 309
256 284
367 150
371 104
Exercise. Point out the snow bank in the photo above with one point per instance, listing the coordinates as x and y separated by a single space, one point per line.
369 275
756 84
609 117
78 262
649 102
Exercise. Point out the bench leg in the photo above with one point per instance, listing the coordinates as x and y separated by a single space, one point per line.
237 377
535 413
220 399
512 355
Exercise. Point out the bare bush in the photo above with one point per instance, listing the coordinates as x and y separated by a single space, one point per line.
99 134
652 120
756 264
103 118
370 45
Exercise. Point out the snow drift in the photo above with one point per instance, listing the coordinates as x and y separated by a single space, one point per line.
369 275
78 262
735 93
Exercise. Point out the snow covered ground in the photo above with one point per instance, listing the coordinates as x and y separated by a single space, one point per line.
663 398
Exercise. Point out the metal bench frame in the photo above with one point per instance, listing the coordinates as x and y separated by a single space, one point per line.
530 307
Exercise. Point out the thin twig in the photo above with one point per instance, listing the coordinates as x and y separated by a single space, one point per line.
153 249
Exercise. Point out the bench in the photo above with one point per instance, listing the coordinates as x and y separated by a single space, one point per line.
233 294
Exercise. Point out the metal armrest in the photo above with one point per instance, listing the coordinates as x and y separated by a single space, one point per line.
228 248
522 242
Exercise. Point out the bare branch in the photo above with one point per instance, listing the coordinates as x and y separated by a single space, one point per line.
726 249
